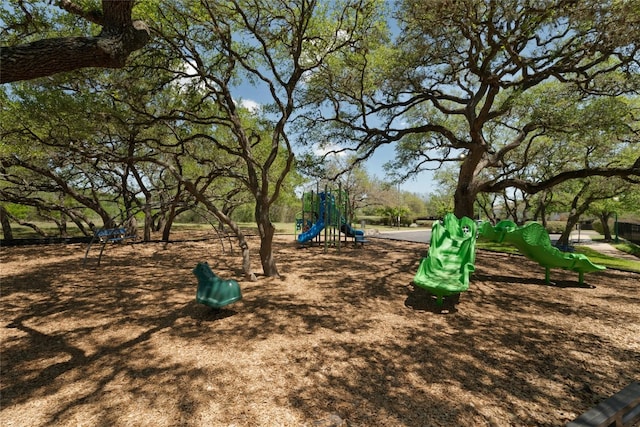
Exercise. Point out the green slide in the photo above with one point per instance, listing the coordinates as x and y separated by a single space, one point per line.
532 240
446 269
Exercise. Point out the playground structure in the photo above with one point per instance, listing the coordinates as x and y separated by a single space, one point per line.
446 269
325 219
213 290
533 241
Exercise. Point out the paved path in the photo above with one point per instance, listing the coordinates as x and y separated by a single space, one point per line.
586 238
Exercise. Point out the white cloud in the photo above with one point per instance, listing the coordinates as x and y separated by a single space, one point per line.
250 105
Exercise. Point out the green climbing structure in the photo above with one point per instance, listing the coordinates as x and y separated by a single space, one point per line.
533 241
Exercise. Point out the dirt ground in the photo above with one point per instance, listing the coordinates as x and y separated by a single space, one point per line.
342 336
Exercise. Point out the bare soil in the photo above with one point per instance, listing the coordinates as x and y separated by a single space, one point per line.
342 336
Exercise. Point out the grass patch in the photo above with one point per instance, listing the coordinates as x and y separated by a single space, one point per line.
609 261
497 247
628 247
593 255
24 232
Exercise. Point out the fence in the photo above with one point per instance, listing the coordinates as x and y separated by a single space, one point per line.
629 231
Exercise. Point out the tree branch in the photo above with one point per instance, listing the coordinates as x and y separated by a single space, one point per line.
119 38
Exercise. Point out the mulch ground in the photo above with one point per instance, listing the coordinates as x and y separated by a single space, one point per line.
341 336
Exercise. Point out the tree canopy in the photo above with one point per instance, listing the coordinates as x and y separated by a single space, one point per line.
446 90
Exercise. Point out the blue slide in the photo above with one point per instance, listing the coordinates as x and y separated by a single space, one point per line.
317 227
349 231
312 232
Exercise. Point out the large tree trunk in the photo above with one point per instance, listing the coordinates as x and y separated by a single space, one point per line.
119 37
464 199
566 233
573 219
467 187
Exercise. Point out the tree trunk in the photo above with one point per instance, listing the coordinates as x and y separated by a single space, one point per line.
566 233
6 225
167 223
464 199
604 220
62 225
266 231
148 223
571 224
107 221
467 188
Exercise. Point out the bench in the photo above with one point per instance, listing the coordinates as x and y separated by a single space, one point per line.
620 410
107 235
111 234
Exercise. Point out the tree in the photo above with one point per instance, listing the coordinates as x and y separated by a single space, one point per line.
80 141
276 46
118 38
445 92
624 198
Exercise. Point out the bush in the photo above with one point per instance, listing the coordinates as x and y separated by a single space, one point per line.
372 219
425 223
556 227
597 225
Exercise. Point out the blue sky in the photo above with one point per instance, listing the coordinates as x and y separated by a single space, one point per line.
421 184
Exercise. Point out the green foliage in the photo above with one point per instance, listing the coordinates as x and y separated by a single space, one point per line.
22 212
464 78
555 227
629 248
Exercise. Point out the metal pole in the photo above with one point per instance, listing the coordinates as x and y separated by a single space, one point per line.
399 204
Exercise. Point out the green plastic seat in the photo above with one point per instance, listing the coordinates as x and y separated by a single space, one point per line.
213 290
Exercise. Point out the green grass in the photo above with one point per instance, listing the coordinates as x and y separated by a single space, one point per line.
594 256
497 247
628 247
24 232
609 261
